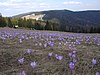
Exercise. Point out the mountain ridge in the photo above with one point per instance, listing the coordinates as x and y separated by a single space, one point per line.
70 18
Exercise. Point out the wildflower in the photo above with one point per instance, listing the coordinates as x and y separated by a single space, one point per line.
74 60
20 40
21 61
94 61
29 51
60 57
98 44
45 45
51 44
33 64
59 43
56 56
74 55
26 38
69 54
21 36
74 51
97 73
50 54
71 65
40 44
22 73
4 38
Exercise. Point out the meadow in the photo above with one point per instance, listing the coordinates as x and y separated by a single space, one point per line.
32 52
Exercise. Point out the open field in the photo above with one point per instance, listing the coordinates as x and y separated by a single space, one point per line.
48 53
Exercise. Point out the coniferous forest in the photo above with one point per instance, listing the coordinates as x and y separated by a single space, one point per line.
46 25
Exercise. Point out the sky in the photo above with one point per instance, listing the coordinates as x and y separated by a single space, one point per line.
15 7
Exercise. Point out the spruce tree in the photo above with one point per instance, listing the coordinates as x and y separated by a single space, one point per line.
10 23
48 26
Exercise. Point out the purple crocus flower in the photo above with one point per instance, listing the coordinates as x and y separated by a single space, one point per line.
22 73
29 51
21 61
20 40
33 64
74 55
21 36
51 44
60 57
56 56
74 60
74 51
50 54
98 44
69 54
40 44
59 43
97 73
45 45
71 65
3 38
94 61
26 38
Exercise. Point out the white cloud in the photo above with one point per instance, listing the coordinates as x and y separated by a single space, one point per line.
17 4
44 5
71 2
18 0
22 4
3 4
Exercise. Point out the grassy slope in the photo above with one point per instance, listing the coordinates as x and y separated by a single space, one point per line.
11 50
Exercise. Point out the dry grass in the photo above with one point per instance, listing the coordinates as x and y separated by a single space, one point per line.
11 50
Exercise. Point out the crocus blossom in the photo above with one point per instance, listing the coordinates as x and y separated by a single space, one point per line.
50 54
33 64
74 51
22 73
71 65
94 61
97 73
20 40
21 61
60 57
45 45
29 51
69 54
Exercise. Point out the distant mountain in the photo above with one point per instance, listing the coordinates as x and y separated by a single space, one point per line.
70 18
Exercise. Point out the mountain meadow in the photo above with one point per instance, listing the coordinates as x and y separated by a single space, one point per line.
55 42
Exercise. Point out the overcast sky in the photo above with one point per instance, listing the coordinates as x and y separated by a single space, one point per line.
14 7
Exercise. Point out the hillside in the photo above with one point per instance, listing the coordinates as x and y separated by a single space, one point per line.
70 18
34 16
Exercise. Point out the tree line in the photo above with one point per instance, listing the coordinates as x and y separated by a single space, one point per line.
28 23
81 29
45 25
